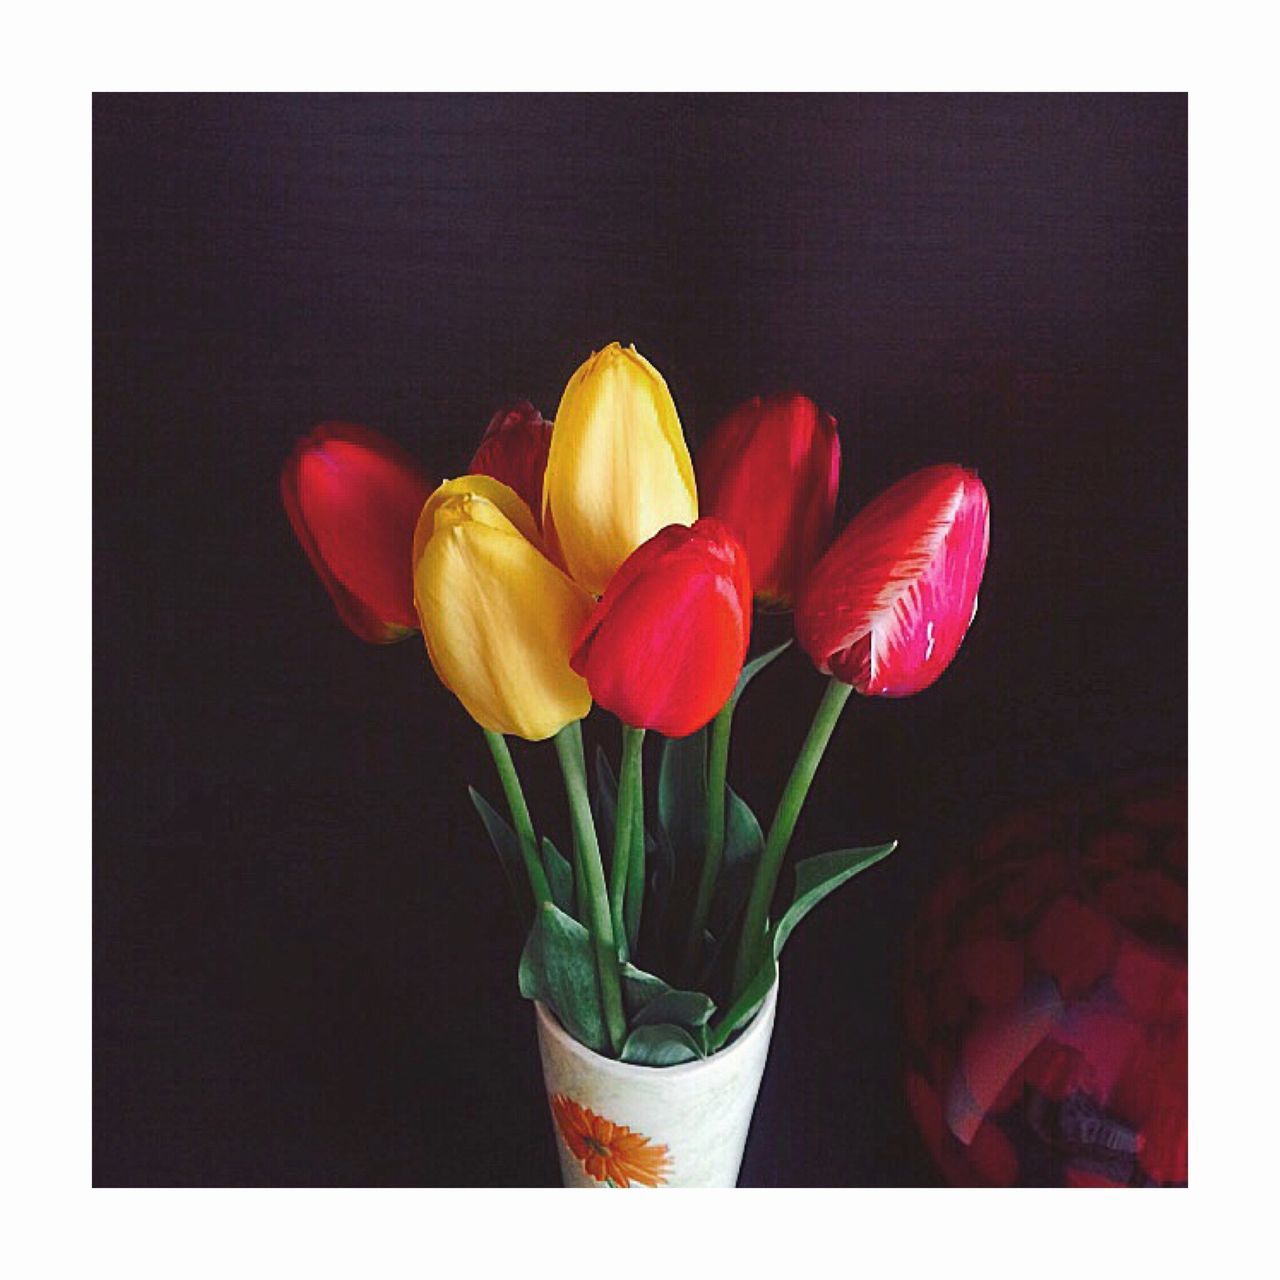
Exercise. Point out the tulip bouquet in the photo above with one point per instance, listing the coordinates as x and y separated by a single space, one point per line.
587 560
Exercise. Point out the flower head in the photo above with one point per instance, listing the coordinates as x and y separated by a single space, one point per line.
886 608
618 469
664 646
771 471
609 1152
499 619
353 498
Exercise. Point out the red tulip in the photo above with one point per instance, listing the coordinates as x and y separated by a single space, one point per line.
353 498
886 608
514 450
770 471
663 647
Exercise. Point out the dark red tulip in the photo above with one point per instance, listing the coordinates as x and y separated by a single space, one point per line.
514 450
353 498
663 647
886 608
770 471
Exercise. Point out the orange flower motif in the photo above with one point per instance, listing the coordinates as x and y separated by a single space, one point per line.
609 1152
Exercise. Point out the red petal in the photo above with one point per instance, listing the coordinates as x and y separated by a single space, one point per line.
514 450
888 605
771 471
663 648
353 498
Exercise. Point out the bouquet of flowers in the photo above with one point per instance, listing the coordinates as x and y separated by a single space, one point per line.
587 560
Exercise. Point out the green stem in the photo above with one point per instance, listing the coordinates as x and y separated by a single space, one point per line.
635 868
784 824
713 853
624 820
519 815
599 922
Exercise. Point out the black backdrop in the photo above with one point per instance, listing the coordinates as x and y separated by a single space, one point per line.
303 970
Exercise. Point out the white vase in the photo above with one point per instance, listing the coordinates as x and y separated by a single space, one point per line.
617 1124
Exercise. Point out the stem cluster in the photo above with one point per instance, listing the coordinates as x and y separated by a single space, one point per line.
612 912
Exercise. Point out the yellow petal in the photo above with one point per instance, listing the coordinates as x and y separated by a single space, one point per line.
498 617
619 469
454 496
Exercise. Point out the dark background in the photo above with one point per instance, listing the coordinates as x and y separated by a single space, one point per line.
304 973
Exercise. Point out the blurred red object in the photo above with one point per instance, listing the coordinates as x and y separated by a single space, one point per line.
353 498
1045 1001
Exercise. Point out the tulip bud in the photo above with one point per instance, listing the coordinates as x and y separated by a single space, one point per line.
770 471
886 608
618 470
514 450
353 498
498 617
663 648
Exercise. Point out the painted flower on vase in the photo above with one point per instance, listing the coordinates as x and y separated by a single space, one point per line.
609 1152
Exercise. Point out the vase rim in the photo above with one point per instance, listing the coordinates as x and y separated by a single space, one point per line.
758 1026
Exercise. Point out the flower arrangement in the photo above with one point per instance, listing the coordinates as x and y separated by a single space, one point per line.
588 561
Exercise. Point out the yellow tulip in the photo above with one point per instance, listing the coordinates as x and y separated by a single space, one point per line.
498 617
619 469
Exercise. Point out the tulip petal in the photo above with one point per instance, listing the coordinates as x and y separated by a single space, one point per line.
353 497
514 450
499 619
889 604
771 471
664 647
357 616
618 468
495 499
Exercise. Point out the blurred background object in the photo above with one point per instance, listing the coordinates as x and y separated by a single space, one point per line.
1046 997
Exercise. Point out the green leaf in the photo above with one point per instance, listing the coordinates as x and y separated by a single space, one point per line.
559 876
604 804
817 877
743 845
744 1008
682 808
753 668
662 874
660 1046
639 988
743 837
650 1001
507 846
558 967
687 1009
682 792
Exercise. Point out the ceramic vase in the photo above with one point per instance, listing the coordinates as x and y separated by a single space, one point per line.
621 1125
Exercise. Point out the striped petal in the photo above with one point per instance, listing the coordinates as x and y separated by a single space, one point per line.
887 607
